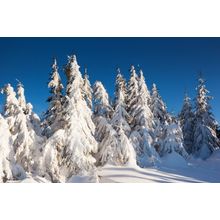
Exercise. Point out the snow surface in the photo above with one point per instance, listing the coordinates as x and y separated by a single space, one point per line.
173 169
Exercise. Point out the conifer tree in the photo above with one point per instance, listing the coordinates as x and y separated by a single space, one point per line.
121 87
173 140
21 97
87 90
158 107
6 152
124 152
142 134
78 143
133 92
205 139
147 92
27 108
160 118
105 134
186 118
52 118
27 145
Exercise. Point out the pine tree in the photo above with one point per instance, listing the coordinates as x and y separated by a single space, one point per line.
87 90
121 87
21 97
6 152
144 87
105 134
205 139
124 152
158 107
160 118
133 92
80 143
173 140
28 109
27 145
52 118
186 118
102 106
142 134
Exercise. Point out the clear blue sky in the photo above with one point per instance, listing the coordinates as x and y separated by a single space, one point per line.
172 63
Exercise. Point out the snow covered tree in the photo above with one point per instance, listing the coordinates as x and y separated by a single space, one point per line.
173 140
133 92
124 152
160 118
28 109
121 87
6 152
158 107
21 97
186 118
142 135
141 80
52 118
75 143
105 134
101 101
87 90
205 138
27 145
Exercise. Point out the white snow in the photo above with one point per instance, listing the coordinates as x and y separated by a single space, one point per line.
197 172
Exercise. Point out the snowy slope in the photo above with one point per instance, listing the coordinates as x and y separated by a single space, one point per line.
196 172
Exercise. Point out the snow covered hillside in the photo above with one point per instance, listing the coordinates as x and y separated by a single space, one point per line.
85 136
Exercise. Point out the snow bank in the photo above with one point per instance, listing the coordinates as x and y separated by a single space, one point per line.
173 160
83 179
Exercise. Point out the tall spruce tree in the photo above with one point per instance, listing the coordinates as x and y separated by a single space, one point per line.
87 90
205 138
132 95
26 143
186 118
160 117
53 116
105 134
124 152
6 152
75 144
21 97
121 87
173 140
142 135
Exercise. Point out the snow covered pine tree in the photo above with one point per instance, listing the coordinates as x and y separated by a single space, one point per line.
205 138
52 118
142 123
124 153
87 90
160 117
6 152
69 151
186 118
27 144
105 134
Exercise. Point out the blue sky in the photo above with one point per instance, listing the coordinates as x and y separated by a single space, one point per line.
172 63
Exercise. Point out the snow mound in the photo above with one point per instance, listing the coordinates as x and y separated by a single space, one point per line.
83 179
173 160
31 179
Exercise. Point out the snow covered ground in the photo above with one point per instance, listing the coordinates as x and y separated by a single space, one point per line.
194 172
172 170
